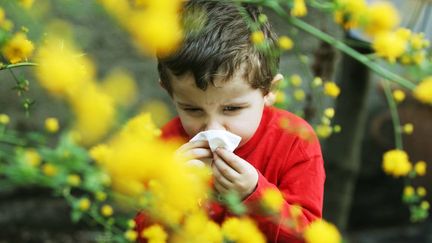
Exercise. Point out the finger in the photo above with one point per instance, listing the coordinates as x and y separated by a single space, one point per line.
224 169
195 162
231 159
220 188
195 144
198 153
220 178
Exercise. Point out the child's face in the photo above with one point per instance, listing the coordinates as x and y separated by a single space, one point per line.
233 106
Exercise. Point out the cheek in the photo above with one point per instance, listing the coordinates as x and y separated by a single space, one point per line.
191 126
245 127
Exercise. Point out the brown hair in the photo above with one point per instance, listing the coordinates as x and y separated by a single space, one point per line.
217 42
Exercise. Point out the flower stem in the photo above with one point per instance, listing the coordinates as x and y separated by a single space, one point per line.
21 64
381 71
394 115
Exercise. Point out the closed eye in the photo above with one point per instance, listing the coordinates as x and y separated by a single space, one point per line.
232 108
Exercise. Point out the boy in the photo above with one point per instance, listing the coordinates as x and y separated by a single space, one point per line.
218 80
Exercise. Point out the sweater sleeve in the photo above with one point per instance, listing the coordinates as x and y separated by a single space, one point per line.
301 183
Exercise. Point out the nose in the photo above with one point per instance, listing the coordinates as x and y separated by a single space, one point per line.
214 124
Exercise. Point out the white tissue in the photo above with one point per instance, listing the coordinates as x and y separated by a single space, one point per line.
218 138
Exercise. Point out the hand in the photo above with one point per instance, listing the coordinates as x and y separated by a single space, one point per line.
232 173
198 153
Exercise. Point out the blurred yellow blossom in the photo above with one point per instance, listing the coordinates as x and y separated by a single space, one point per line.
18 48
408 128
299 8
155 234
329 112
159 111
348 12
62 68
94 113
26 3
106 210
299 94
408 191
257 37
242 230
380 17
403 33
280 97
4 119
421 191
272 199
317 81
398 95
320 231
120 85
337 128
84 204
423 91
396 163
100 196
331 89
198 228
51 124
131 235
323 131
49 169
424 205
420 168
131 223
296 80
32 157
295 210
73 180
285 43
389 45
418 41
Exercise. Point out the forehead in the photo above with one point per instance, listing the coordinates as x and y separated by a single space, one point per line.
185 87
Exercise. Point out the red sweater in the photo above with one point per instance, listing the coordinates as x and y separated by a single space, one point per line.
287 156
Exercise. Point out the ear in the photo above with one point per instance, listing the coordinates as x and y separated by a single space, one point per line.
270 97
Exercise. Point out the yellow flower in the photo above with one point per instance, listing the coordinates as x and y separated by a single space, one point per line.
296 80
101 196
396 163
285 43
52 125
421 191
280 97
94 112
423 91
424 205
317 81
159 112
242 230
299 9
418 41
337 128
26 3
329 112
381 17
324 131
121 86
408 191
131 235
62 68
18 48
84 204
49 169
272 199
320 231
198 228
32 157
106 210
419 57
155 234
131 223
398 95
408 128
74 180
295 210
299 94
420 168
403 33
257 37
348 12
389 45
4 119
331 89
